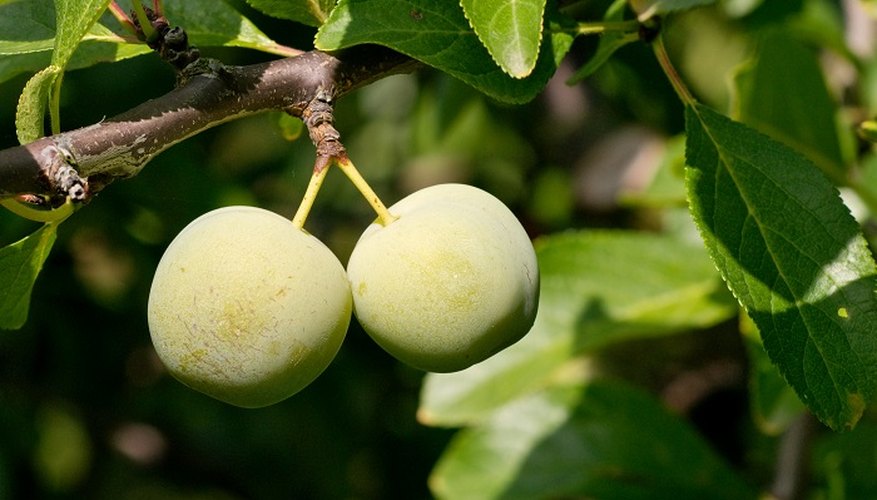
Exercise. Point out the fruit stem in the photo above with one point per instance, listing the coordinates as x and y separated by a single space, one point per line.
307 201
346 166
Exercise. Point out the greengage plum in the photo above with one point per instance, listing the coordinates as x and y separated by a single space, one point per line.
246 307
449 283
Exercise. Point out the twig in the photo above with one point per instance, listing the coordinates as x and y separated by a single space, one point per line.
81 162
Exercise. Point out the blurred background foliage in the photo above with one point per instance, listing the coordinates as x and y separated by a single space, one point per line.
86 410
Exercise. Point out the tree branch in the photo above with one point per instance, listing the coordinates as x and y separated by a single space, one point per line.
81 162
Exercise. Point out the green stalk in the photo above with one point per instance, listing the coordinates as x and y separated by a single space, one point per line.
148 31
307 201
384 215
672 75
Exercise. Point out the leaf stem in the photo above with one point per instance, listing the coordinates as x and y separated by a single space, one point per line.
55 105
672 75
122 16
149 32
346 166
307 201
600 27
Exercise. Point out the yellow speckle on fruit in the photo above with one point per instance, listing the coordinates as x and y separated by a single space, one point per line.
193 357
236 292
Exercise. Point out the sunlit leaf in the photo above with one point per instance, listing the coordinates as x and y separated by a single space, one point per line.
598 288
438 34
511 30
27 34
33 103
600 440
73 19
793 256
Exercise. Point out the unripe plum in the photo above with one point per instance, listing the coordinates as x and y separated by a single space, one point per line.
246 307
449 283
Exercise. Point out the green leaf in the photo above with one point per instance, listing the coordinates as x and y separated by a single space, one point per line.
74 18
438 34
666 188
511 30
20 263
649 8
773 404
212 23
601 440
26 27
310 12
608 44
597 288
782 92
27 39
27 31
793 256
843 464
32 104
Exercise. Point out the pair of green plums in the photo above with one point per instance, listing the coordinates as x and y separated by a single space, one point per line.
250 309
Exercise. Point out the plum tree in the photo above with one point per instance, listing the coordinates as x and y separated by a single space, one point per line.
247 307
450 282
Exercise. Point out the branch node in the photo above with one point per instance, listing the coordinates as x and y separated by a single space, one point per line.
319 118
63 177
171 43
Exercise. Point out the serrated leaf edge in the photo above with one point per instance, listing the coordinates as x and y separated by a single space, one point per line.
493 56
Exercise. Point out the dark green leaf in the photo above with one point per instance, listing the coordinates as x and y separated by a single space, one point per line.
782 93
608 44
310 12
20 263
214 23
511 30
438 34
598 288
774 405
601 440
793 256
844 464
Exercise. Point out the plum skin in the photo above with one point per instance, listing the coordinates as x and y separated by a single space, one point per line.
448 284
246 307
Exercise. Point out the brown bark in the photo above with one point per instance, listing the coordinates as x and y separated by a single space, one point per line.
305 86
